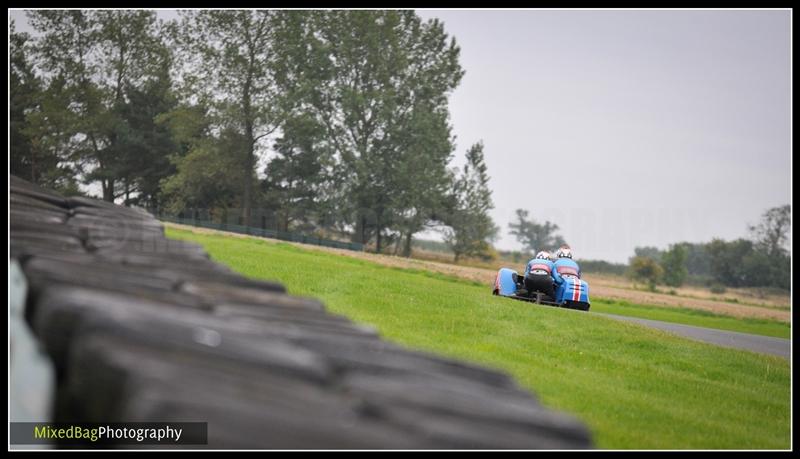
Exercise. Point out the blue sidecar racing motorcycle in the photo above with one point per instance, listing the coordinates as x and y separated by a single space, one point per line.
539 287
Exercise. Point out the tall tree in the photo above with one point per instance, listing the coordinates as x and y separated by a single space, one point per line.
647 270
136 63
207 178
89 59
298 178
534 236
772 233
54 158
471 228
69 106
421 180
673 261
234 52
145 145
378 81
26 156
727 261
697 260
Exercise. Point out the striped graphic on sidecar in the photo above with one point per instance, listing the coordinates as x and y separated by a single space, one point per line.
576 289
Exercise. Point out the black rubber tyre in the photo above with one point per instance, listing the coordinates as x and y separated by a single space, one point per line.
143 328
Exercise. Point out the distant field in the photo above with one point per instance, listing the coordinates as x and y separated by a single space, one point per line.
743 296
634 386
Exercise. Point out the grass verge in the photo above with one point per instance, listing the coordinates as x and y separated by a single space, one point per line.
634 386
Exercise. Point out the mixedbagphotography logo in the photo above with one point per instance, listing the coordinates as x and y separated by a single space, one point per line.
129 433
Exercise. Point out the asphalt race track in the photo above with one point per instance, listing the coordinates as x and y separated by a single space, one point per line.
756 343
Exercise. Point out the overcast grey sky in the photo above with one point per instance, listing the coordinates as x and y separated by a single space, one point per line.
649 127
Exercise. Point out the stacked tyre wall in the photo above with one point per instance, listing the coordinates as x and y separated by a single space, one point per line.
137 327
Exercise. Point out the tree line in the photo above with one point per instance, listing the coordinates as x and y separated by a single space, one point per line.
762 260
327 122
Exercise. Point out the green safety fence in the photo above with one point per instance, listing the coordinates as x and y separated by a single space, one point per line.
269 233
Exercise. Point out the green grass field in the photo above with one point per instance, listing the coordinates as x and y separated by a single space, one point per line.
635 387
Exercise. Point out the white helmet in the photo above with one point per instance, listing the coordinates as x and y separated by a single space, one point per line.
544 255
564 252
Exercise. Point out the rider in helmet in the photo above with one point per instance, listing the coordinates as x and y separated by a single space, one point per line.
564 265
542 256
538 274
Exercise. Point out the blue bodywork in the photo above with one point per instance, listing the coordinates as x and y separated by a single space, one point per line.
504 284
571 293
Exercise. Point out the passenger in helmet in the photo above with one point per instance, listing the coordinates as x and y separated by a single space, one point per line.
564 265
538 274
